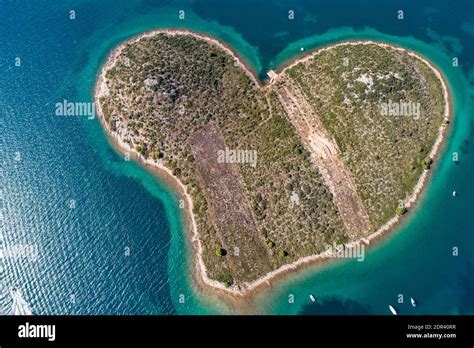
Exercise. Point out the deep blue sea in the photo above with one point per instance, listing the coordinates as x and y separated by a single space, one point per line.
85 232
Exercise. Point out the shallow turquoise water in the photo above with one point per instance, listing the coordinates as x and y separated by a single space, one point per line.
81 265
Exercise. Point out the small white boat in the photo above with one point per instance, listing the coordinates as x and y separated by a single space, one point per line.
394 312
412 300
312 298
454 193
302 49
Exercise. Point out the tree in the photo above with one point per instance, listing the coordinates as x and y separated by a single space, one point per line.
221 252
177 171
426 163
401 210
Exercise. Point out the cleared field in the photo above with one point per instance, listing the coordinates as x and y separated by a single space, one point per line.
327 159
241 246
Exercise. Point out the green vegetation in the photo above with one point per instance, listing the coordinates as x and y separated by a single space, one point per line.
401 210
426 163
221 252
385 153
163 90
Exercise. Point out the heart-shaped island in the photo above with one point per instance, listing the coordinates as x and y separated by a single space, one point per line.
314 163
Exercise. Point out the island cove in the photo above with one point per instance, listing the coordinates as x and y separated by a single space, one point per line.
326 163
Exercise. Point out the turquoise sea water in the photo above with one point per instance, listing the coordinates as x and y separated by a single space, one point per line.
77 261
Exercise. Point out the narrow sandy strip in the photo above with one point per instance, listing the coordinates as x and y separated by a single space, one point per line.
264 281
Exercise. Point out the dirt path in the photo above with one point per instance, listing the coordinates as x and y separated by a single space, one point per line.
326 156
